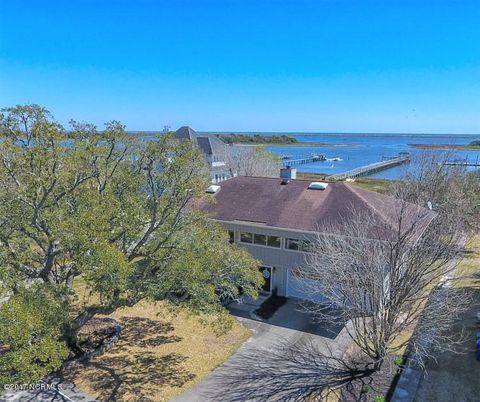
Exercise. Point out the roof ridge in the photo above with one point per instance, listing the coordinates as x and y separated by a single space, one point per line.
371 206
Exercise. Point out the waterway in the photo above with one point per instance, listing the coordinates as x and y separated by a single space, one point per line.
357 150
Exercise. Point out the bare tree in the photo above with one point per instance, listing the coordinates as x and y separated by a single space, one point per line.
302 371
451 190
390 276
251 161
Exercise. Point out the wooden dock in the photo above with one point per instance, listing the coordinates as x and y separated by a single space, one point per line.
473 164
461 162
371 169
302 161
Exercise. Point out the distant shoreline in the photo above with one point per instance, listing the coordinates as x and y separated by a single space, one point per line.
446 147
330 134
298 144
152 133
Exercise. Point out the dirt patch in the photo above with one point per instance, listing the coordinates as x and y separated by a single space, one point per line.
95 333
158 356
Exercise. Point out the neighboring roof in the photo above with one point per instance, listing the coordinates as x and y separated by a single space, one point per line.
186 133
205 145
209 145
293 206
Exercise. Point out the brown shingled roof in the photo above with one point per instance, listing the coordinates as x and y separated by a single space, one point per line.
294 206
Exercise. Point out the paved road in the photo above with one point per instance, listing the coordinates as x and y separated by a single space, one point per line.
266 340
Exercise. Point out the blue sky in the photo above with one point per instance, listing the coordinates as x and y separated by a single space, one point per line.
221 65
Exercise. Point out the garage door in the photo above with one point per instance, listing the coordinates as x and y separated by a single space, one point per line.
301 286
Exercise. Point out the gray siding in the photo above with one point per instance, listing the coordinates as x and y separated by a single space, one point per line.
280 259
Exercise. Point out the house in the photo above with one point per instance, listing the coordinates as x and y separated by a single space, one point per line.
214 150
278 219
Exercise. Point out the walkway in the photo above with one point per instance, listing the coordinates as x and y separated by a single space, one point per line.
266 344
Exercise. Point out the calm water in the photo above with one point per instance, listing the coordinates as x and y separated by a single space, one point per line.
363 149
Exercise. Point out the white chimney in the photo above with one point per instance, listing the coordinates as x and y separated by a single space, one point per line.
288 173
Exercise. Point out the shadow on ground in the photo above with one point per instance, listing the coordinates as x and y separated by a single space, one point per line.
126 368
293 315
289 372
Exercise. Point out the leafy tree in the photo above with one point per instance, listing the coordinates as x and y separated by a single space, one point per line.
30 345
115 211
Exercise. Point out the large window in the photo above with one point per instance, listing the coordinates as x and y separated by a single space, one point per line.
299 245
292 244
246 237
273 241
306 246
260 239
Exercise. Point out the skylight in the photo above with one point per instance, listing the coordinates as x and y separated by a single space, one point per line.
212 189
317 185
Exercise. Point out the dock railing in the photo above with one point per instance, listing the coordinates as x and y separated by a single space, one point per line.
301 161
371 168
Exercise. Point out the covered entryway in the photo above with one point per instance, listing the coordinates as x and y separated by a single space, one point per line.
302 286
267 276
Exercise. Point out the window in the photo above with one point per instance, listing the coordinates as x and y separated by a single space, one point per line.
260 239
231 234
273 241
306 246
246 237
291 244
300 245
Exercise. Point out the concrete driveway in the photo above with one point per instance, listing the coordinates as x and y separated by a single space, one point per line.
287 328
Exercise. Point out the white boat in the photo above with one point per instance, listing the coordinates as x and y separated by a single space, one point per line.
336 159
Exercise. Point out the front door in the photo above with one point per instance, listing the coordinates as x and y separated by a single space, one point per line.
267 276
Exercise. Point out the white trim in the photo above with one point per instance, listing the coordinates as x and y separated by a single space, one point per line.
287 279
261 245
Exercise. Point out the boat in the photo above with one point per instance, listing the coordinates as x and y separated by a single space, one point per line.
319 157
336 159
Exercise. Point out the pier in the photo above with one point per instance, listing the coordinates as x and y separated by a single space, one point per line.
371 169
473 164
461 162
302 161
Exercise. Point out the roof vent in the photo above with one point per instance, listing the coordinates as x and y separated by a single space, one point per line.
212 189
317 185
